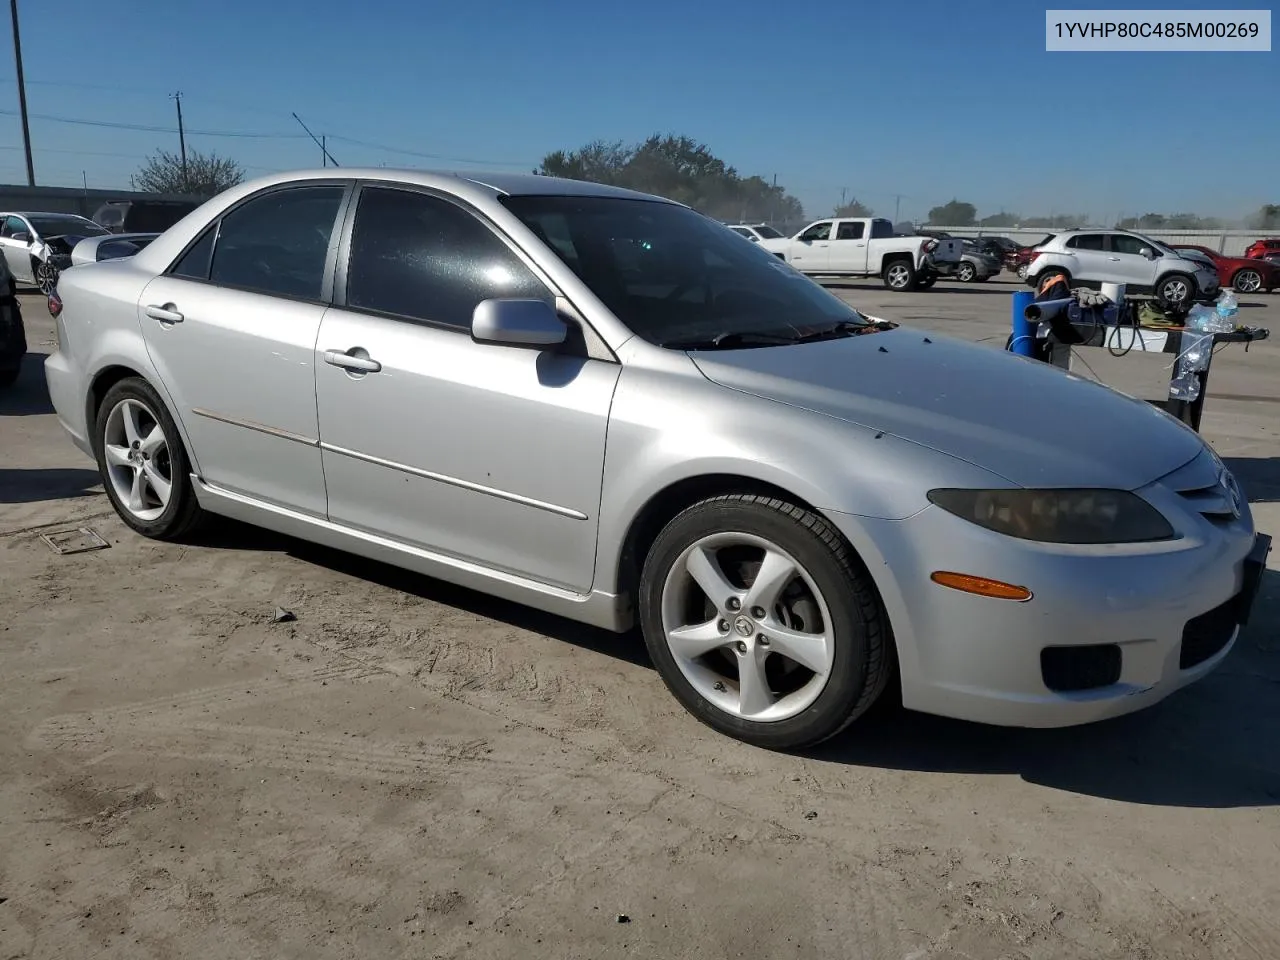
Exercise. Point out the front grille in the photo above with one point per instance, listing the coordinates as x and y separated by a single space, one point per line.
1207 634
1071 669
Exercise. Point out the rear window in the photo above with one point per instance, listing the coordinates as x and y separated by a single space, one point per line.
154 217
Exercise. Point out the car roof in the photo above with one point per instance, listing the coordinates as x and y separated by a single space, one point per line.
40 213
488 184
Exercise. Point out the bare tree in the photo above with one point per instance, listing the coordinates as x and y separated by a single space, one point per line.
203 174
853 209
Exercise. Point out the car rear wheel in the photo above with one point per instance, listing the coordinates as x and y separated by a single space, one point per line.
1022 271
142 463
762 622
900 276
966 272
1247 281
1176 289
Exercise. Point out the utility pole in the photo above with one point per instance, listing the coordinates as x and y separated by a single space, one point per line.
318 142
22 93
843 191
324 153
182 142
897 205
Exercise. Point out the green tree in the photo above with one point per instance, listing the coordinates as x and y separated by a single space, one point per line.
1000 220
203 175
853 209
1267 217
956 213
678 168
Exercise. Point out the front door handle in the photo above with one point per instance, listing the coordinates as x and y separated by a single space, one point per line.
340 358
1114 259
166 314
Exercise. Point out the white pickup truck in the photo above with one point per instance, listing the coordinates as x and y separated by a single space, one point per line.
867 247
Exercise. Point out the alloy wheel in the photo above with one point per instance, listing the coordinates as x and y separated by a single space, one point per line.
747 627
1248 281
139 465
898 276
46 277
1175 290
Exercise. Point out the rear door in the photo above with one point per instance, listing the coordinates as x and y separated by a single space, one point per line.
848 251
1090 260
231 328
811 250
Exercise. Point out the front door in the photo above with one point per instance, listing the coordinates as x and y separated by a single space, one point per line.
848 251
17 251
487 453
231 328
1130 266
811 250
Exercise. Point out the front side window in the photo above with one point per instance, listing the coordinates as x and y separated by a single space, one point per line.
669 274
819 231
277 242
1123 243
768 232
423 258
13 225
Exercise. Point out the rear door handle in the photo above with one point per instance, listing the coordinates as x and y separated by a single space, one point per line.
340 358
165 314
1114 259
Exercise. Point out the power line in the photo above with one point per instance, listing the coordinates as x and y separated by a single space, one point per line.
428 156
155 128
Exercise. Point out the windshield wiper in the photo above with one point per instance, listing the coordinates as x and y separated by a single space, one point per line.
733 338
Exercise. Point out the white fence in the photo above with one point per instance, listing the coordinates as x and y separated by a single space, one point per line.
1230 243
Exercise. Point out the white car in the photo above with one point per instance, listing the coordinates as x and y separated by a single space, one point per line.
868 247
1090 258
755 232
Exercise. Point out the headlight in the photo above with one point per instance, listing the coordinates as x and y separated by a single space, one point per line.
1059 516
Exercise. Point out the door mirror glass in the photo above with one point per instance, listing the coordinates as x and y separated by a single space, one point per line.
1147 252
517 323
22 236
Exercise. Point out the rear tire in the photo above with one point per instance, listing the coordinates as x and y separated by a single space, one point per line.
900 276
1022 271
1247 281
966 272
143 465
781 667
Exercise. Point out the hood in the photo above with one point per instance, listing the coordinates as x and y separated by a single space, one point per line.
1027 421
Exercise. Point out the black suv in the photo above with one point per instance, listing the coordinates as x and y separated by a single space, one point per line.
142 216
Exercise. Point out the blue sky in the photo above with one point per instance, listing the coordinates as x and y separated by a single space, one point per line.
930 99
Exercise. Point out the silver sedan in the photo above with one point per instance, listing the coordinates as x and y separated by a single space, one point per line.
606 405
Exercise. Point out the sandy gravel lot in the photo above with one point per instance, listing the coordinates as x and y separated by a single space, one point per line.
413 770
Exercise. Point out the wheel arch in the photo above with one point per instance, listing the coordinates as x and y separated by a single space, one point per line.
112 372
1262 277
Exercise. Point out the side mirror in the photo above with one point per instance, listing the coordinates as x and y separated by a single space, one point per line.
517 323
1148 253
22 236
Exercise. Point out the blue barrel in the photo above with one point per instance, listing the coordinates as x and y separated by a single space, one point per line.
1024 331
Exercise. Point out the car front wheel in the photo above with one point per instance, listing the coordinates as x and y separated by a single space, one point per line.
1176 289
762 622
46 277
142 463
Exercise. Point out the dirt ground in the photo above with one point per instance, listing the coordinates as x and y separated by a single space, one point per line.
412 770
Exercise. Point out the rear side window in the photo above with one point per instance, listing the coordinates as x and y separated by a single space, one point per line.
850 231
880 229
277 243
1087 241
154 217
423 258
194 264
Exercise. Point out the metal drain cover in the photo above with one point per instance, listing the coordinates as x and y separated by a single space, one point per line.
74 541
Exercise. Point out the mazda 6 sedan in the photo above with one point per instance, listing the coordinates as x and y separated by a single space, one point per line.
605 405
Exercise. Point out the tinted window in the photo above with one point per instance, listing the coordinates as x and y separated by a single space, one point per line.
194 264
819 231
1087 241
1122 243
671 274
881 229
768 232
66 227
423 258
155 217
850 231
12 225
277 243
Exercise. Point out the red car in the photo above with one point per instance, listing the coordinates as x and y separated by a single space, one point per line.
1245 274
1018 260
1263 248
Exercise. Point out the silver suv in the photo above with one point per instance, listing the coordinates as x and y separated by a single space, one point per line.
1089 258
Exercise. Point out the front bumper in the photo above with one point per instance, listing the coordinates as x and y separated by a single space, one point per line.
1158 616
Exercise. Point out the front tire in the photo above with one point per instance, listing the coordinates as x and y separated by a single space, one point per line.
143 465
46 276
1176 289
900 276
762 622
1247 281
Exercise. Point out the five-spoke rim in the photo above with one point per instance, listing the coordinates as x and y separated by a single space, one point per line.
898 276
1175 291
139 464
1248 281
46 277
748 627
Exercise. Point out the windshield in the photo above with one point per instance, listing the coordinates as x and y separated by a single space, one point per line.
671 274
62 226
